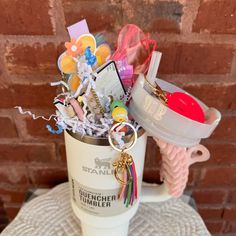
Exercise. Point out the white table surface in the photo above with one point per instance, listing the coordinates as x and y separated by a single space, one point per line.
52 215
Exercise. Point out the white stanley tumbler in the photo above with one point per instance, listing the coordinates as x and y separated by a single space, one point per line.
94 188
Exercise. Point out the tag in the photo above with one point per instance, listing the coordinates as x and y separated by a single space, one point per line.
108 81
66 110
185 105
78 29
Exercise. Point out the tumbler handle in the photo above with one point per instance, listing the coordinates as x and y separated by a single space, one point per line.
155 193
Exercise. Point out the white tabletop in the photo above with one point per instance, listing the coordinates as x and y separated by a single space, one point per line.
52 215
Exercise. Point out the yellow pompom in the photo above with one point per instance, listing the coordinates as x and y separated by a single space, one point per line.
102 53
68 65
119 114
74 82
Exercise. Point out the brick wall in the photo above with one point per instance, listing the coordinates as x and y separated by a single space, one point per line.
197 38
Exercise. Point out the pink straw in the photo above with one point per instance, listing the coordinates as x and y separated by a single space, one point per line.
78 110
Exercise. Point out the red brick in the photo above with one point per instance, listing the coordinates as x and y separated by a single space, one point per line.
3 216
229 228
27 152
216 17
210 213
151 175
47 176
3 221
230 213
193 177
218 95
12 210
226 129
7 127
183 58
34 96
37 129
232 198
168 59
62 152
13 174
209 196
1 207
214 226
154 16
2 227
6 97
153 156
219 176
221 154
28 17
12 196
205 59
40 59
105 15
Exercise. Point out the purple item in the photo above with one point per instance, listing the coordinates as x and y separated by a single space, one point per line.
78 29
125 71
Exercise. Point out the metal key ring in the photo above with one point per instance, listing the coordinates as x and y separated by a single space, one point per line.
158 92
116 173
114 127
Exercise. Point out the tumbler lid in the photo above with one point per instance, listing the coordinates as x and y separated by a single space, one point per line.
162 122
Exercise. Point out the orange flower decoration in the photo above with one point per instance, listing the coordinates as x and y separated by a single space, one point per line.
73 48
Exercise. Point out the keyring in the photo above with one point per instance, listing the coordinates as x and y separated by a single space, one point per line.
122 164
131 145
124 168
158 92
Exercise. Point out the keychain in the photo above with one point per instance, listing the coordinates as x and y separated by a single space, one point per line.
124 167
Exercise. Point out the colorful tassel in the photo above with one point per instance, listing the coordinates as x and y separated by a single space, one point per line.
126 167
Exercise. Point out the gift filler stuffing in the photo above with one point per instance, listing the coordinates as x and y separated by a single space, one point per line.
96 86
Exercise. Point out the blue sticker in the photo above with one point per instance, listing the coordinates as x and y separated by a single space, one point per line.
51 130
91 59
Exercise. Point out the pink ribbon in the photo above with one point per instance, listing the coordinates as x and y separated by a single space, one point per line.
133 53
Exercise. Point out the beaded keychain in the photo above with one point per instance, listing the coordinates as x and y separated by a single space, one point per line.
124 167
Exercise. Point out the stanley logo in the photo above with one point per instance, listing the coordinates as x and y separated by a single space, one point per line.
101 167
102 163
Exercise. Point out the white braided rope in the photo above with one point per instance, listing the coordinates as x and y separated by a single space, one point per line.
51 215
